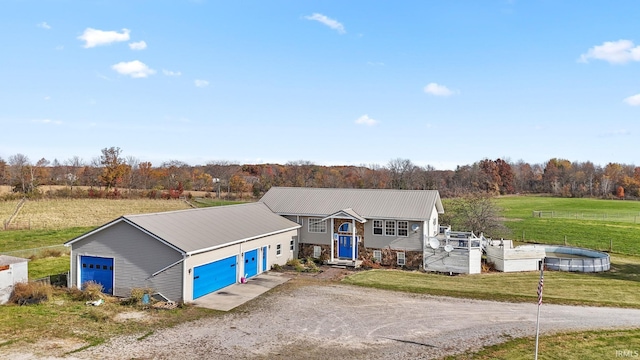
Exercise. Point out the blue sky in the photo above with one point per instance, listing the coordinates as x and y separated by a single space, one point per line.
443 83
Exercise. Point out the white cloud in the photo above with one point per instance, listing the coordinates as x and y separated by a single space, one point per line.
47 98
633 100
95 37
437 90
366 120
334 24
171 73
614 52
140 45
48 121
135 69
44 25
201 83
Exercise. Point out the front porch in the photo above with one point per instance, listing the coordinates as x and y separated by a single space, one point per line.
344 263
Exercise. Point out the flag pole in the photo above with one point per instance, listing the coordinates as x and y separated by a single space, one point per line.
540 286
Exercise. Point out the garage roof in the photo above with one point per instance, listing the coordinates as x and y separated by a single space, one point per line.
198 230
368 203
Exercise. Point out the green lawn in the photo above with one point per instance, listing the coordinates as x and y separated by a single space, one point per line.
619 287
595 234
588 345
40 268
12 240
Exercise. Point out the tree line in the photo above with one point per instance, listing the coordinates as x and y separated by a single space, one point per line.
111 173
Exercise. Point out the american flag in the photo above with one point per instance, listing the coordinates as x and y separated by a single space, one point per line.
540 286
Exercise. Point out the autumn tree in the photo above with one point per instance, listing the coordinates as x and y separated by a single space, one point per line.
113 167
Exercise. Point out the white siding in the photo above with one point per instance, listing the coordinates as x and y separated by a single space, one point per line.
17 273
239 249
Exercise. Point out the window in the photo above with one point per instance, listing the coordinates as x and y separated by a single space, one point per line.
403 228
345 227
278 249
317 252
291 244
401 258
390 228
377 227
317 225
377 256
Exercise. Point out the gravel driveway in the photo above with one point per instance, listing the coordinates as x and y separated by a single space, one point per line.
342 321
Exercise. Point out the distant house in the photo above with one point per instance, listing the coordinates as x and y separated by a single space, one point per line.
390 227
182 255
13 270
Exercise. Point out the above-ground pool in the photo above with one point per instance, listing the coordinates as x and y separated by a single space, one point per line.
567 258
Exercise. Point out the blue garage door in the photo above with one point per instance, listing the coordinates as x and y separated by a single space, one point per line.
99 270
214 276
251 263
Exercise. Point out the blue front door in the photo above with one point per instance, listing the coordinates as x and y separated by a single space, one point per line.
345 244
264 258
251 263
98 270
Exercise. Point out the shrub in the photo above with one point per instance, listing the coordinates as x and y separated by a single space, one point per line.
50 253
369 264
31 293
92 291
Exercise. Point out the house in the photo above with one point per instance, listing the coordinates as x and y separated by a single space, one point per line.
13 270
182 255
346 226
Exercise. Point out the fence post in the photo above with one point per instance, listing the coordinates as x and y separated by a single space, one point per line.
522 235
610 245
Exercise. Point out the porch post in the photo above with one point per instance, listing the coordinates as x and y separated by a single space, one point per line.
354 243
331 239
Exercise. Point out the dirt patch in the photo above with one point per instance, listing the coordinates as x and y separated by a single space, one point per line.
131 315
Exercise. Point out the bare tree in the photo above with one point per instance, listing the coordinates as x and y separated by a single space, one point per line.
477 213
73 167
19 171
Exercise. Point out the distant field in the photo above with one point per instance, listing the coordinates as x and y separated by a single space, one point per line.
590 233
7 208
67 213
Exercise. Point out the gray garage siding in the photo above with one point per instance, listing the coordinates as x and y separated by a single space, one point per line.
136 257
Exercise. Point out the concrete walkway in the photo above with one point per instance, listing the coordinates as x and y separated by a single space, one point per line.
237 294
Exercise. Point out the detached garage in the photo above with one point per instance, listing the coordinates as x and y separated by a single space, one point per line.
182 255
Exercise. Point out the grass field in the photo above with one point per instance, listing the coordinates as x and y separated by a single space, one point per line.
66 213
619 287
594 234
588 345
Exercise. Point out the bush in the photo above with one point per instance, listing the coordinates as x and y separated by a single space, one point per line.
92 291
31 293
369 264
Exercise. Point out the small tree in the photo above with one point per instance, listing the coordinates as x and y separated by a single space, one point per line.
620 192
477 213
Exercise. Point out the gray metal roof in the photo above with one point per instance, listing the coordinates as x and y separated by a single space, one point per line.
369 203
9 260
198 230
